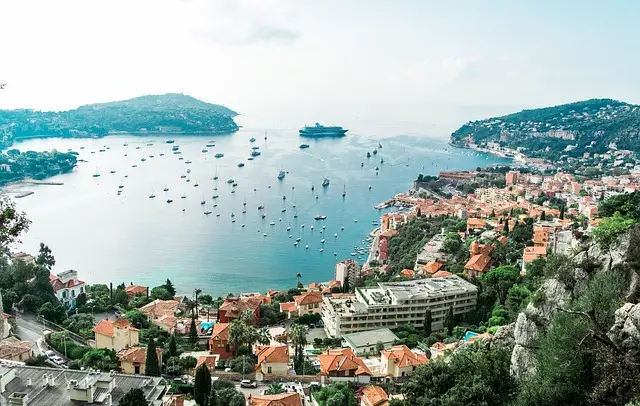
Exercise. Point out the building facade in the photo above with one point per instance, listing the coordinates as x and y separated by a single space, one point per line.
67 287
116 335
347 270
393 304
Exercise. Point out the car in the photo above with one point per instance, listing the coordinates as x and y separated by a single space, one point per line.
50 354
57 360
246 383
118 313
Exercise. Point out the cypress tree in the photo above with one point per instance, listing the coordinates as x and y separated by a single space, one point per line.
449 321
345 288
193 331
493 213
173 346
543 215
561 212
152 366
202 385
170 287
506 226
427 323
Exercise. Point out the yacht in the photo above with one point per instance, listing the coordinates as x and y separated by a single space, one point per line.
166 189
325 182
281 174
252 139
219 155
241 164
169 200
320 217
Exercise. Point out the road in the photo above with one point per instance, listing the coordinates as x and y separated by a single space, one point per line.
30 330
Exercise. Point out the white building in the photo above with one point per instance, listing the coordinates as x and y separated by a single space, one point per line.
67 287
393 304
347 269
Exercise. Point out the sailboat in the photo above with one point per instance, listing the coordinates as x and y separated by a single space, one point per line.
265 135
166 189
344 190
152 195
96 175
325 182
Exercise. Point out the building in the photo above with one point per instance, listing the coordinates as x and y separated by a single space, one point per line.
308 303
343 364
25 386
232 308
479 259
133 360
116 335
393 304
12 349
347 270
219 341
162 313
133 290
24 257
281 399
512 177
289 308
431 252
272 359
67 287
373 395
530 254
209 360
367 341
399 361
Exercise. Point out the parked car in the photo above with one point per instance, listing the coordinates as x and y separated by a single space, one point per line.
246 383
50 354
57 360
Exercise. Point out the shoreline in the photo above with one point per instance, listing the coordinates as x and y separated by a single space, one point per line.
12 188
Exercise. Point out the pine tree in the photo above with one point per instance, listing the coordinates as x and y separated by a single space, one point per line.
427 323
493 213
170 287
202 385
419 213
449 321
506 226
173 346
193 331
152 366
562 212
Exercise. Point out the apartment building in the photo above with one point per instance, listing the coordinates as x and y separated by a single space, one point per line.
392 304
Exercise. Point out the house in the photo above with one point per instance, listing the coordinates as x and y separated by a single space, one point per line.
209 360
399 361
541 236
12 349
431 267
281 399
474 224
441 274
373 395
407 273
530 254
289 308
439 349
308 303
233 308
365 342
133 360
272 359
479 261
343 364
162 313
219 341
67 287
133 290
116 335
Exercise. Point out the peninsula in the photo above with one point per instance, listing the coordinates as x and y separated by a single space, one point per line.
590 126
171 113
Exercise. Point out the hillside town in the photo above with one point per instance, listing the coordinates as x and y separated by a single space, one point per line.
419 297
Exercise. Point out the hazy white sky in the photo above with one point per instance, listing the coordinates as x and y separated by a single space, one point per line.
255 54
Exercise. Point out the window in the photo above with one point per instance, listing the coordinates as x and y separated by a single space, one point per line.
73 293
268 370
64 294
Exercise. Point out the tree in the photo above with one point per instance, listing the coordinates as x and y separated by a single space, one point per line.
500 280
299 284
543 215
449 320
173 346
493 213
427 323
206 299
230 397
609 229
81 299
345 288
120 296
298 337
45 257
337 394
52 312
12 223
152 366
169 287
202 385
161 292
379 347
213 398
138 318
135 397
562 209
193 332
506 226
274 389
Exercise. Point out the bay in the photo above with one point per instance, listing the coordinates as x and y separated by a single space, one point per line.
132 238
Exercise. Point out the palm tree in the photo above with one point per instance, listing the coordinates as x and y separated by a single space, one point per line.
298 336
237 334
197 292
189 305
274 388
263 336
298 276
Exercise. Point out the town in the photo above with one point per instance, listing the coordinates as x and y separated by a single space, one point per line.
451 265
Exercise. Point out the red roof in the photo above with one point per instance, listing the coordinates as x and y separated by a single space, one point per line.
402 356
281 399
220 332
375 395
308 298
342 359
273 354
441 274
106 327
288 307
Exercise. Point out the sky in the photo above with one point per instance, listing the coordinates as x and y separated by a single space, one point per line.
366 56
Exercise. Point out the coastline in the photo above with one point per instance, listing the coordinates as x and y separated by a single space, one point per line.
12 188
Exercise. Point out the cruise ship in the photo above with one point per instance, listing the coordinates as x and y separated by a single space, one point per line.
322 131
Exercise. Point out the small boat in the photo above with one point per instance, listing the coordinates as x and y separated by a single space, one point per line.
306 247
377 169
215 177
218 215
207 212
375 152
187 162
152 196
255 153
112 171
288 228
369 187
284 197
381 160
195 185
379 146
232 215
215 197
175 148
322 241
281 174
188 170
183 176
344 190
298 239
321 250
312 227
183 196
250 158
312 188
283 210
242 225
303 146
134 166
252 139
210 145
335 235
143 159
260 207
161 154
320 217
219 155
234 185
167 141
241 164
362 164
230 181
202 202
263 215
255 148
272 224
121 186
233 220
295 244
264 235
169 200
325 182
353 254
205 150
368 154
166 189
96 175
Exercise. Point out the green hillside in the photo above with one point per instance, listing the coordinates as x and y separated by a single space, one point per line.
591 125
169 113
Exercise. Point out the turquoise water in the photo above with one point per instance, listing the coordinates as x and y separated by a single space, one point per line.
131 238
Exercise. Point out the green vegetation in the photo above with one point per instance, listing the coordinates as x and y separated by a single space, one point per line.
202 385
169 113
135 397
152 366
337 394
16 165
590 126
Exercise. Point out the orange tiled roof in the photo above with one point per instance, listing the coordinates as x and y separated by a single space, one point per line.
159 308
342 359
314 285
208 360
432 267
408 273
273 354
478 262
220 331
376 395
335 284
136 354
281 399
234 308
532 253
441 274
104 327
308 298
404 357
288 307
134 289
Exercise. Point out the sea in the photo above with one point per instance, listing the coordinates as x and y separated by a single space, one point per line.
128 237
